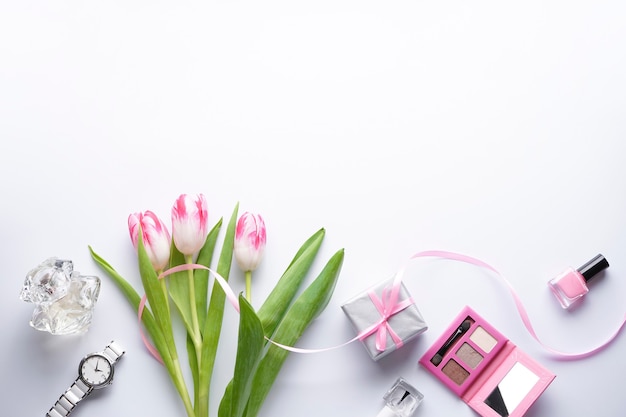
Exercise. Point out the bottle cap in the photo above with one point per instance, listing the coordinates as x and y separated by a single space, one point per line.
401 400
593 267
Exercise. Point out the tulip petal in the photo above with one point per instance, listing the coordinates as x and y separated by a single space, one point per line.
156 237
250 239
189 223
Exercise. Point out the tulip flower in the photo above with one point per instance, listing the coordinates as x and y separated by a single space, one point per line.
190 223
250 238
156 237
190 230
156 240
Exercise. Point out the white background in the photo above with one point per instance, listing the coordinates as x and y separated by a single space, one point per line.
490 128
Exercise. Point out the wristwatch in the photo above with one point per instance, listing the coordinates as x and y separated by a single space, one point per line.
94 371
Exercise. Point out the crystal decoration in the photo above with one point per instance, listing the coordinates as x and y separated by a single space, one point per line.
64 300
47 282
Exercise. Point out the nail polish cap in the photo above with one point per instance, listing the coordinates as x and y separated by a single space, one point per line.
593 267
401 400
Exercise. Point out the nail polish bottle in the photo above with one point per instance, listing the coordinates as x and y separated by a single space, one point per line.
401 400
569 286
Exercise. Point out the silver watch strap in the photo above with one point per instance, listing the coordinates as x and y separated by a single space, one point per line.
113 351
79 390
74 394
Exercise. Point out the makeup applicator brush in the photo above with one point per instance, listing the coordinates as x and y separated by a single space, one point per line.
436 360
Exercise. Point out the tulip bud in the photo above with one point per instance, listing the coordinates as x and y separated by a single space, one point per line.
190 223
156 237
250 237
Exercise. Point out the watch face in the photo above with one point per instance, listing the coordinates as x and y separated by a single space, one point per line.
95 370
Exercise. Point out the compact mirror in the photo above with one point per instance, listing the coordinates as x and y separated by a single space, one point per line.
512 390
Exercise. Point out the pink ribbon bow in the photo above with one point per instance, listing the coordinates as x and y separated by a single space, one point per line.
387 305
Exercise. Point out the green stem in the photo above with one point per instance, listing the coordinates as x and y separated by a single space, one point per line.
249 286
181 387
164 289
196 336
203 404
174 367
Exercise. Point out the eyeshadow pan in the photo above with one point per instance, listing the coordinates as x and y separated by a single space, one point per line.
455 372
483 339
469 355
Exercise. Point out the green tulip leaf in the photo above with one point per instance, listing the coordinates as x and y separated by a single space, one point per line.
154 293
226 402
178 284
249 352
134 299
201 276
273 309
307 307
215 315
281 297
152 327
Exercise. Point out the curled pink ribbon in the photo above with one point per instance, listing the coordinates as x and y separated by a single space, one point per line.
230 296
387 305
233 301
518 304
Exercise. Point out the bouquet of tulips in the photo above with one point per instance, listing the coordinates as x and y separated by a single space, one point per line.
176 273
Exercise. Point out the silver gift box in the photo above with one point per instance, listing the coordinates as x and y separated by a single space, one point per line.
362 313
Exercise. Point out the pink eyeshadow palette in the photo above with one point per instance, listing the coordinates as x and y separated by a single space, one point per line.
485 369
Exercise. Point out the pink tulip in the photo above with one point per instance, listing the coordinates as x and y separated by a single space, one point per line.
190 223
156 237
250 238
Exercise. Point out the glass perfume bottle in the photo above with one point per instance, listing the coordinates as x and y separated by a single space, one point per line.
571 285
401 400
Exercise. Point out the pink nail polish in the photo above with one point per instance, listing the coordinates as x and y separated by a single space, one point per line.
571 285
